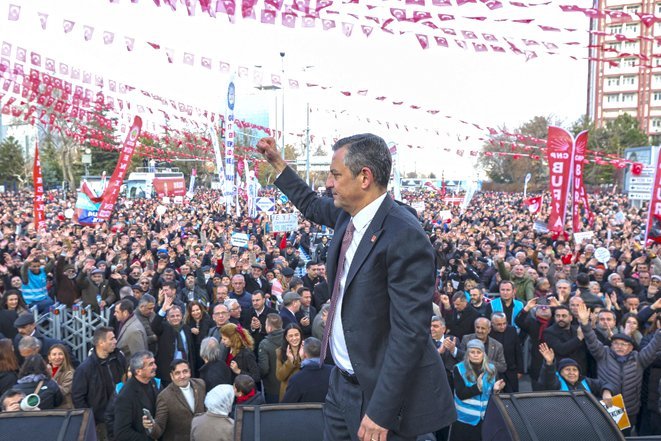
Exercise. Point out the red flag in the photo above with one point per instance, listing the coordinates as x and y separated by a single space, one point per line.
653 230
112 191
534 204
37 179
559 150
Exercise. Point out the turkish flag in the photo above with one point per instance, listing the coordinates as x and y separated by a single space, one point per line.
637 168
534 204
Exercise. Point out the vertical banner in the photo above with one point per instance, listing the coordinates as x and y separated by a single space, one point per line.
219 160
444 190
470 192
38 182
653 230
396 178
559 152
229 147
112 191
579 196
191 185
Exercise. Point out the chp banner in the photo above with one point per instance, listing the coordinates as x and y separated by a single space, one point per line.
579 196
89 201
559 153
112 191
653 230
229 189
534 204
38 181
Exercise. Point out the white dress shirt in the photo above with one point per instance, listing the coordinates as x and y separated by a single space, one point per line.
338 344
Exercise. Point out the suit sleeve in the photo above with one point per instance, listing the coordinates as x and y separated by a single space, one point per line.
292 393
123 421
318 209
561 348
161 418
498 360
79 390
410 294
595 347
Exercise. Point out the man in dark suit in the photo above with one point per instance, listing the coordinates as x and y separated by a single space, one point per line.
507 336
307 313
174 339
139 392
310 384
259 312
25 326
386 382
291 304
460 320
256 281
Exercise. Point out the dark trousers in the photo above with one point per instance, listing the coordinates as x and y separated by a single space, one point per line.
344 409
511 381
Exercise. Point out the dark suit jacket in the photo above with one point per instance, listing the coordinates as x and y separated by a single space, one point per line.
128 411
566 344
385 312
512 348
320 295
287 317
173 415
252 285
309 385
462 323
167 339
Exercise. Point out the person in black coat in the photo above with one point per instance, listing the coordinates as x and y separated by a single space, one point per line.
460 319
214 371
140 392
199 322
320 295
94 380
240 357
8 365
534 324
259 312
566 340
26 326
508 337
174 339
255 281
310 384
246 393
35 378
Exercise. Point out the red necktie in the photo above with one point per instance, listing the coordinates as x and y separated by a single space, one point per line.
346 241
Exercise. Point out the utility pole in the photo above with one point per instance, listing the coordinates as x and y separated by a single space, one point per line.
307 144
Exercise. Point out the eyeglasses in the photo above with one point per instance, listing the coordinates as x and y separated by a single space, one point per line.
220 313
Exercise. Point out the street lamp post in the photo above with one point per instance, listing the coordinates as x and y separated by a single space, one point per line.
87 160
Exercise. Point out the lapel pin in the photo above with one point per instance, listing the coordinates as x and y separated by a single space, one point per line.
373 239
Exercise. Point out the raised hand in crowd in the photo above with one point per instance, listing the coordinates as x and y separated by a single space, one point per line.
583 314
547 353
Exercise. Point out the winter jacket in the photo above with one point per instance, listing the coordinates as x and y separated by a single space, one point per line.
94 382
49 392
626 377
548 377
267 361
7 380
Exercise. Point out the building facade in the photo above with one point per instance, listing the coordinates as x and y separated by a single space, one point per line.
625 67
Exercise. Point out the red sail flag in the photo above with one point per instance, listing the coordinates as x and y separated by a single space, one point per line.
559 152
534 204
117 178
653 230
37 179
579 196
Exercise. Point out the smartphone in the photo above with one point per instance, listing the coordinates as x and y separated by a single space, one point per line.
147 413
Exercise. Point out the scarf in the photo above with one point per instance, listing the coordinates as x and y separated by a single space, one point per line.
543 324
180 346
242 399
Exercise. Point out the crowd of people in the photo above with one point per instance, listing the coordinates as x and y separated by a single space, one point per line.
199 326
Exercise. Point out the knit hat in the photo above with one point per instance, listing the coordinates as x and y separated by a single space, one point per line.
475 344
568 362
23 320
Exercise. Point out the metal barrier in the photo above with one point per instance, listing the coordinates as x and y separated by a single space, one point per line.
74 326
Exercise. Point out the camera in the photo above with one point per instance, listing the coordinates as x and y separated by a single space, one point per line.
30 402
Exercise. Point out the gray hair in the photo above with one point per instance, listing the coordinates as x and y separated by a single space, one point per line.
29 343
125 291
146 298
210 349
611 275
435 318
137 360
219 399
367 150
230 302
563 282
312 347
499 315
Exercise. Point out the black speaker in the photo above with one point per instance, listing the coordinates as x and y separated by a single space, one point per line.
548 416
279 422
51 425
